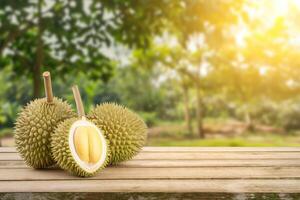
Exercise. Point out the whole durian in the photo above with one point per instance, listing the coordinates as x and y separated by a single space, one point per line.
35 124
78 146
125 131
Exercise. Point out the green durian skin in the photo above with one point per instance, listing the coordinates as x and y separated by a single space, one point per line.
62 153
125 131
34 126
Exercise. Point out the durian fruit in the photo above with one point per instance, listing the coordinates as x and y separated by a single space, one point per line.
78 146
35 124
124 129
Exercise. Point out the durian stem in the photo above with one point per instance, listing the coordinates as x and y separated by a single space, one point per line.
48 86
78 101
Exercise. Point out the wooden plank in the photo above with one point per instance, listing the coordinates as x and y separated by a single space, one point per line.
7 164
216 155
150 195
10 156
196 149
218 186
113 173
7 150
160 169
19 164
195 155
209 163
219 149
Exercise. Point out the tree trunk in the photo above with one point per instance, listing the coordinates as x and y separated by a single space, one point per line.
187 115
199 113
249 122
36 81
39 55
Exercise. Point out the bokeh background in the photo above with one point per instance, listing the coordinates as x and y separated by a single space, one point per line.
200 72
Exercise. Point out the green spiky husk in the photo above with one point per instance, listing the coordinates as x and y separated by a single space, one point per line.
62 153
125 131
33 127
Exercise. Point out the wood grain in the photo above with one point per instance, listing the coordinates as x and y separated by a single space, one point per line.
19 164
218 186
113 173
219 149
163 169
194 155
199 149
149 195
216 155
209 163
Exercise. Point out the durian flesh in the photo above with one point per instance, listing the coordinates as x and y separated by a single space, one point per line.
34 126
79 147
125 131
88 145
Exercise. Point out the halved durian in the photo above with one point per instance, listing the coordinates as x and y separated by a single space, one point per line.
78 146
88 145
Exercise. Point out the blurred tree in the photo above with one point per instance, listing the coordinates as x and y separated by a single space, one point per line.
276 59
186 101
179 60
290 114
182 66
140 90
199 18
72 36
261 69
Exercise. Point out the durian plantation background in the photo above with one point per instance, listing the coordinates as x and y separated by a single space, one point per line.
201 73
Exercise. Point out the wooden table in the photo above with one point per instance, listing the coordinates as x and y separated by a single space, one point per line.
163 173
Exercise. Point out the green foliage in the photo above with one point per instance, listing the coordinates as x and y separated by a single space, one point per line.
150 118
266 112
12 92
72 36
140 89
218 106
290 115
263 112
5 132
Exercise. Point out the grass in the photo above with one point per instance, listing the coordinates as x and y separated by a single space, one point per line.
249 140
174 134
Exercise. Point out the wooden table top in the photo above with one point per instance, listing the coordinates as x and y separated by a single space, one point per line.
168 169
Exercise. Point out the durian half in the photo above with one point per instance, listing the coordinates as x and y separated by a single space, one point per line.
35 124
78 146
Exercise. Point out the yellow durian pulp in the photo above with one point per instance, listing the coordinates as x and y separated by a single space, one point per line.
88 144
